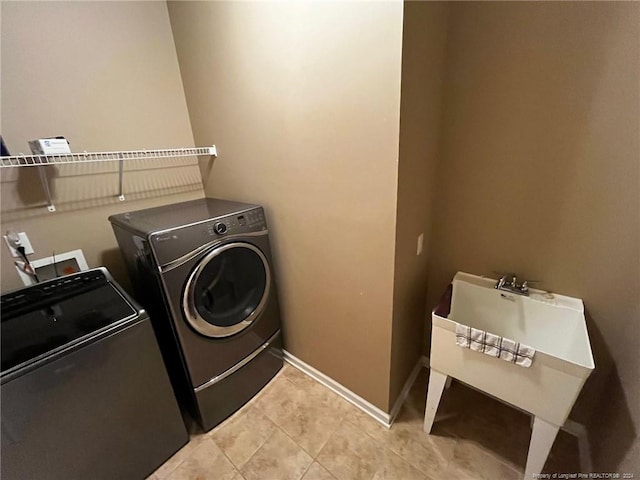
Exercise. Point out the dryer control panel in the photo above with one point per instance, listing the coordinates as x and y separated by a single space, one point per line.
249 221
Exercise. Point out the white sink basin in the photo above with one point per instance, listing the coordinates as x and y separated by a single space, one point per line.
554 325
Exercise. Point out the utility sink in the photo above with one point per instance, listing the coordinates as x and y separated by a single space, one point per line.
554 325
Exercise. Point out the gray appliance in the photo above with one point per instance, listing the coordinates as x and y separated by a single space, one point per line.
203 269
83 387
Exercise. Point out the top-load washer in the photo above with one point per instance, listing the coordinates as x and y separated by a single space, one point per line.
203 270
83 387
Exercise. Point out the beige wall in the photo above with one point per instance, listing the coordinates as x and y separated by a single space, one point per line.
303 100
540 172
423 55
105 75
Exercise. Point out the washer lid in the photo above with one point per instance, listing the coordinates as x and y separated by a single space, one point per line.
49 316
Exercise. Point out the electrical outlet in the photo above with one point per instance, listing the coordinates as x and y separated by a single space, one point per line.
420 243
24 242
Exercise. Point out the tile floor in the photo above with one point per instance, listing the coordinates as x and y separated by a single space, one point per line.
296 428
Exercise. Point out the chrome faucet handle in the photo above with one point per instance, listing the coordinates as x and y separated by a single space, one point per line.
503 280
503 275
525 285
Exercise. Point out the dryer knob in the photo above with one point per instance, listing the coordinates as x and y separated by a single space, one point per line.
220 228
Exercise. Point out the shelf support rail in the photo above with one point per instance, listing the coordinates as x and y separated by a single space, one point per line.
41 161
120 177
45 186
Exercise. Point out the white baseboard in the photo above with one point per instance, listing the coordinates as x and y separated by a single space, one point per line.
356 400
407 388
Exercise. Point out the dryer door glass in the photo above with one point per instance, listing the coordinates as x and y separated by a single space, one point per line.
227 290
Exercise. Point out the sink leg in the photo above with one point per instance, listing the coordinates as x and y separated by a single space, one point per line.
437 382
447 384
542 438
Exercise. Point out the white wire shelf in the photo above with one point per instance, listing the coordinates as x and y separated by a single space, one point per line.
91 157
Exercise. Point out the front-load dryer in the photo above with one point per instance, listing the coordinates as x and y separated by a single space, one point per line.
203 270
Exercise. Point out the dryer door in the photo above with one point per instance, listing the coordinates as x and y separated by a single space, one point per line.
227 290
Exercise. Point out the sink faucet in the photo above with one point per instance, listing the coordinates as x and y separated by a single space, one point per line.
509 283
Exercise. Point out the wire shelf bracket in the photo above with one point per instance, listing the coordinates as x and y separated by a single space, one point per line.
41 161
